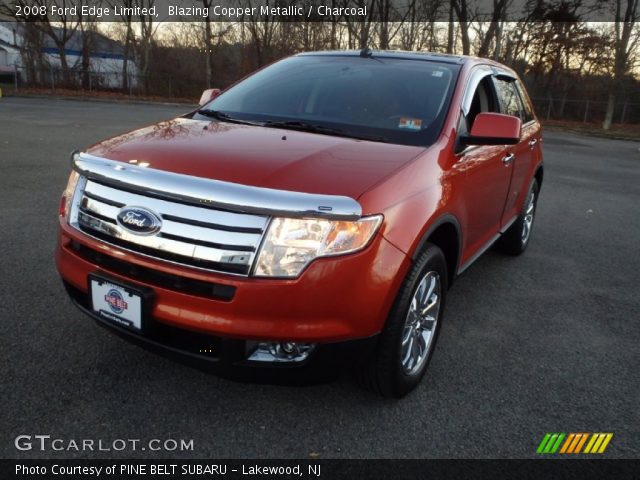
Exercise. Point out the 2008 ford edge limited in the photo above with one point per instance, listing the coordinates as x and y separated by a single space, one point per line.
315 212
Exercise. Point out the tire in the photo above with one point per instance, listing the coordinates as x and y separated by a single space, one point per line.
516 239
385 372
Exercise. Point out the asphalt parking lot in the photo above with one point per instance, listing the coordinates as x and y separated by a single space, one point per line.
548 342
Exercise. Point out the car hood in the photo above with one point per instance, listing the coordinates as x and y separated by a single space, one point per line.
259 156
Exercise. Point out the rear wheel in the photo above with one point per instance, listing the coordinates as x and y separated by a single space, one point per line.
406 344
516 239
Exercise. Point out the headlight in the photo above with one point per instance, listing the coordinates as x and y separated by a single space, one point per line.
292 243
67 195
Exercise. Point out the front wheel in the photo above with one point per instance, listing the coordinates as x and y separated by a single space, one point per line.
515 240
406 344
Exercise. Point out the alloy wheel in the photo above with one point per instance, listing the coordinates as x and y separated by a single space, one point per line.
528 218
420 324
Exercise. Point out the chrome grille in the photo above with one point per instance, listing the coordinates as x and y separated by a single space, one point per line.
201 237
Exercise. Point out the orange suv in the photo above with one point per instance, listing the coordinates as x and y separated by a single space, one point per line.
314 213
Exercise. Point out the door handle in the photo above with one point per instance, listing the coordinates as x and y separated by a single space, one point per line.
508 158
532 143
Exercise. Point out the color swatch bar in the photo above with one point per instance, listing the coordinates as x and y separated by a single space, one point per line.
573 443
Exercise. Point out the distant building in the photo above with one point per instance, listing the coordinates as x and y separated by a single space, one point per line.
106 56
8 53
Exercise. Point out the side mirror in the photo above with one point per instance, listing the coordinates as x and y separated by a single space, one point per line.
209 95
493 129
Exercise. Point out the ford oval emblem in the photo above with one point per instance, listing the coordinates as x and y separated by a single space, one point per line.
139 220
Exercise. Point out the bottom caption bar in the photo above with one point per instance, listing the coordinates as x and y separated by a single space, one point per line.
310 469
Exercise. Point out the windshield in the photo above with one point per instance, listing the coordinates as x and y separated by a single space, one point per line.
394 100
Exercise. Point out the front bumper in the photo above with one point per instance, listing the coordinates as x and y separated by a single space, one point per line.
228 357
335 300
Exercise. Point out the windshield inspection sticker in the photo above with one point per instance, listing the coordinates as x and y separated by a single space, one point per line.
410 123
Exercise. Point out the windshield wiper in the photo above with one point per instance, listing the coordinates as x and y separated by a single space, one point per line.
313 128
225 117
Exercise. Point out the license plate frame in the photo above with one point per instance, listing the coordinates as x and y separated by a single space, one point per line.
119 303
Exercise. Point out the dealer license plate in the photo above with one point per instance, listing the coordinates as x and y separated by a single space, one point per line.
116 303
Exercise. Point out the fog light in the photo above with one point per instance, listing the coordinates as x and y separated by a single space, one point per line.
289 347
292 352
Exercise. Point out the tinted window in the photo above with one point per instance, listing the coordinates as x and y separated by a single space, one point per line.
404 101
526 103
509 98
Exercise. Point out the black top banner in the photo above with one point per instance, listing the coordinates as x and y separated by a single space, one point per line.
318 10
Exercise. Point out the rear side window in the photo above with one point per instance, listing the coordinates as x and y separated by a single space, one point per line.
527 108
509 98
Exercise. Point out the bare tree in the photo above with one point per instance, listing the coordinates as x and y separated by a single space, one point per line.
391 17
88 33
208 44
359 31
59 28
626 17
262 31
419 31
126 36
461 9
31 52
495 28
451 29
147 31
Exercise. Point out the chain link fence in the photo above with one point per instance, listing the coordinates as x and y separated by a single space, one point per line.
586 110
97 83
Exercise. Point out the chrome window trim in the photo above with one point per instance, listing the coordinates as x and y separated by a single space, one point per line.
477 75
215 193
